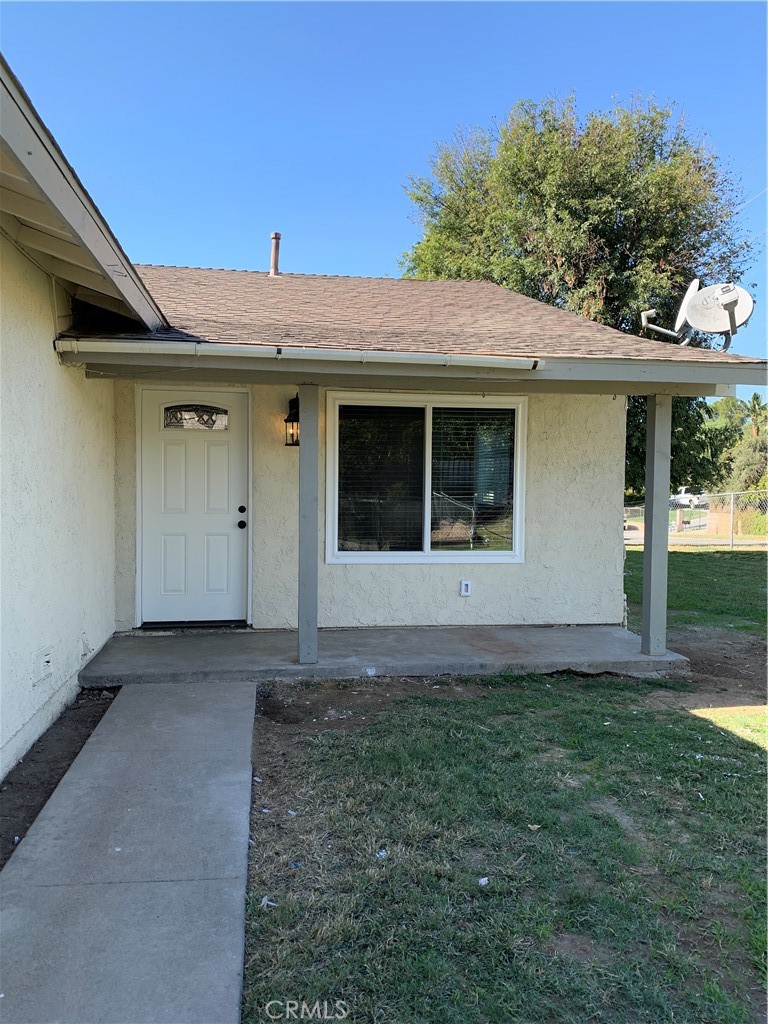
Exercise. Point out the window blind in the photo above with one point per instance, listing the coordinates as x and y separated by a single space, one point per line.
472 479
381 478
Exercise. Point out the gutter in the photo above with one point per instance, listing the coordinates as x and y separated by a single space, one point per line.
585 375
278 353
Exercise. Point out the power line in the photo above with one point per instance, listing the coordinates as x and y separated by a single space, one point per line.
742 205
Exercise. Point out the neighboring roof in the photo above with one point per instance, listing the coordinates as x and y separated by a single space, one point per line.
46 212
390 315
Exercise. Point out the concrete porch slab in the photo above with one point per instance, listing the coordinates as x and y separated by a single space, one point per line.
218 659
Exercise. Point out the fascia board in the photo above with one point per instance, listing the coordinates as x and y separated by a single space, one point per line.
664 371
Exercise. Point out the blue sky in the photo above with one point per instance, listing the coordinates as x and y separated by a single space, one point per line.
199 128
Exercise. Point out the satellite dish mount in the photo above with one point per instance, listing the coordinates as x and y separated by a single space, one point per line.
719 309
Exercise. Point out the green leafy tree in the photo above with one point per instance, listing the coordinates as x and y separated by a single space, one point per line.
750 463
756 411
605 217
700 457
729 412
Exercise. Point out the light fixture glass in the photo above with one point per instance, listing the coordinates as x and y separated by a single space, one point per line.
291 422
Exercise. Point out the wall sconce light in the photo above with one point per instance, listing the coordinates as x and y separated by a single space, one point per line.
291 422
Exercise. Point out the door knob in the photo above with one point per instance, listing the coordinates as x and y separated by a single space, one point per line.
241 508
242 524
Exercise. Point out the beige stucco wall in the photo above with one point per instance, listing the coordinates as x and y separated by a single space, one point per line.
125 505
574 549
57 511
573 568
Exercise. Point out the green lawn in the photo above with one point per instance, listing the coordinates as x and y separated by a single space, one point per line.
707 588
622 847
749 723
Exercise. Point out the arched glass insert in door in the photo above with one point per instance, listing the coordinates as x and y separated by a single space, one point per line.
195 417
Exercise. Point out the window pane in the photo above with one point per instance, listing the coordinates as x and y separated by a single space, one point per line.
381 478
472 479
195 417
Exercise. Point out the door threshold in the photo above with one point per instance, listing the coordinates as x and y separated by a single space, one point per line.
232 625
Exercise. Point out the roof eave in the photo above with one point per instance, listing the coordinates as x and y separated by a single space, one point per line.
38 154
709 370
606 373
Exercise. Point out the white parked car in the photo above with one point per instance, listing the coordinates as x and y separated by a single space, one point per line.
687 497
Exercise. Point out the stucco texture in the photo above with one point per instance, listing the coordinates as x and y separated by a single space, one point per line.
57 511
125 505
573 568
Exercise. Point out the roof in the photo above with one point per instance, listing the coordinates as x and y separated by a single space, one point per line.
390 315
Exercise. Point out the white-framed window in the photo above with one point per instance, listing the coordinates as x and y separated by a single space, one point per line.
435 478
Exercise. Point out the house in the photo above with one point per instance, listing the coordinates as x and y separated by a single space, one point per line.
461 452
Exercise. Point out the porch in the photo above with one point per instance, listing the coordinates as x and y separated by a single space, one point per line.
214 657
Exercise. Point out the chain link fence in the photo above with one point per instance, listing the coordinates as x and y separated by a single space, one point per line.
730 520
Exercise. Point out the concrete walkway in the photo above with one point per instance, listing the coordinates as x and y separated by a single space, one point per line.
124 903
218 658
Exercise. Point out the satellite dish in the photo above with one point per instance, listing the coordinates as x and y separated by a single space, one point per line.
693 287
720 309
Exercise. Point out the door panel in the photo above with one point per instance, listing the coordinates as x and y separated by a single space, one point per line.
174 569
174 476
217 563
217 497
194 476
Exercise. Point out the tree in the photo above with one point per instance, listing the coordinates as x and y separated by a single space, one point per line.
729 412
756 411
604 217
700 457
750 462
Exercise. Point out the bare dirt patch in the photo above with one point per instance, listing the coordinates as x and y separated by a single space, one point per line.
341 704
610 806
580 947
27 787
728 669
480 860
552 754
571 780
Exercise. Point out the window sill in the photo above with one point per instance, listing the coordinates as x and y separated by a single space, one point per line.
422 558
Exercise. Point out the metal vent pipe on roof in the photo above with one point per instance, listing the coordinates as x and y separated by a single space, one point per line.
274 265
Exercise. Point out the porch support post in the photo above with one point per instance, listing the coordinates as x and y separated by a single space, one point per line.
309 444
658 442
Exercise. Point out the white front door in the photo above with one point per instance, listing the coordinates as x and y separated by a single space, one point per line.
194 506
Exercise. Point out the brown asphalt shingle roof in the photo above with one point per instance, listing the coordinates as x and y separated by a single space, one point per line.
391 315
